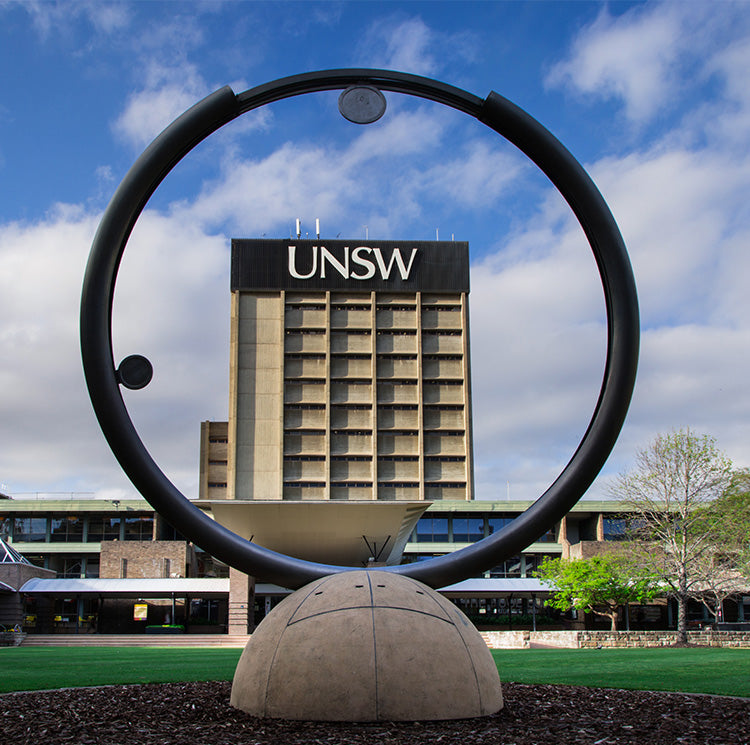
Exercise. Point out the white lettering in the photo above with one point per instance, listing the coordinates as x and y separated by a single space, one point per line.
385 272
326 255
359 258
366 263
293 267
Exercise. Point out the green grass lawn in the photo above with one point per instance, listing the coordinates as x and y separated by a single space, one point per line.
692 670
713 670
34 668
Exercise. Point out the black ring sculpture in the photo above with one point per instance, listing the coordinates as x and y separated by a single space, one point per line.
499 114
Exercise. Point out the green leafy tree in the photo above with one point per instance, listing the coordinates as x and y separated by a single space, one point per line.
674 481
598 585
726 521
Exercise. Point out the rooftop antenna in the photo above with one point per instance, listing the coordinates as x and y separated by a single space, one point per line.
299 228
317 227
367 232
437 234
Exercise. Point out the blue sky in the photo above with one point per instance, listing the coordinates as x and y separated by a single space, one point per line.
650 97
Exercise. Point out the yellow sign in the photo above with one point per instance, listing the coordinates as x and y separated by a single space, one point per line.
140 612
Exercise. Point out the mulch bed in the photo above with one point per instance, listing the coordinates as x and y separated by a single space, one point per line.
199 714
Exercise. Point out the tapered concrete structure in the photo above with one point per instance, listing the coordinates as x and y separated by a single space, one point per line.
366 646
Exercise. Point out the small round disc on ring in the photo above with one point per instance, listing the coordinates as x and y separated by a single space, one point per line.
135 372
362 104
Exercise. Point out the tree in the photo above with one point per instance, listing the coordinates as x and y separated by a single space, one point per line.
598 585
674 481
727 519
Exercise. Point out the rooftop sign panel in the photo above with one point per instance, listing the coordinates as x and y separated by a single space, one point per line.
393 266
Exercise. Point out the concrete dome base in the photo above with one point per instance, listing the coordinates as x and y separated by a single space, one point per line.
365 646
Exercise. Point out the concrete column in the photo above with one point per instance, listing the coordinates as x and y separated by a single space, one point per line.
420 398
468 429
327 398
563 538
374 397
241 601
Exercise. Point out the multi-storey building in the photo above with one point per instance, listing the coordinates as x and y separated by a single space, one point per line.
349 373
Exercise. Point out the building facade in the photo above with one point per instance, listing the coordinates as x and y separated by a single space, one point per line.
349 373
85 554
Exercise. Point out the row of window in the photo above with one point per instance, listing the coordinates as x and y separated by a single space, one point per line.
523 565
457 529
307 331
391 484
367 305
367 407
77 529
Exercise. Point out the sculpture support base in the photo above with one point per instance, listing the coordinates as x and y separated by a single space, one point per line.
366 646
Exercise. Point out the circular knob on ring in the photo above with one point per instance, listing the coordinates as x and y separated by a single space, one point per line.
362 104
135 372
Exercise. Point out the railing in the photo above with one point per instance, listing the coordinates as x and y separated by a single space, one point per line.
68 496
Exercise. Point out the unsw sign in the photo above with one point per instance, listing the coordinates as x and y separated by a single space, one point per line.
395 266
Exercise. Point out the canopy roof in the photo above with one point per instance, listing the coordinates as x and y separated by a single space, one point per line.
204 587
9 555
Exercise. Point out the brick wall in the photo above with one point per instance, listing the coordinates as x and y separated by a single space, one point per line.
610 639
145 559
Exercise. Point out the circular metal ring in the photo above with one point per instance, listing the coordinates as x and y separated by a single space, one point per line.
506 119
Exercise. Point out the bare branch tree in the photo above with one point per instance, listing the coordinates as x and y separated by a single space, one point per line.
674 480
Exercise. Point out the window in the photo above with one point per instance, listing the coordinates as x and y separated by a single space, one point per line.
29 529
615 529
139 528
66 529
104 529
508 568
498 523
432 530
92 567
468 529
533 561
123 568
548 537
72 568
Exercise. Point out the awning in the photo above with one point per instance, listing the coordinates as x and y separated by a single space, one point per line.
494 588
203 587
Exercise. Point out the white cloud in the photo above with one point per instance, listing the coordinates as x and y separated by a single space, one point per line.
168 92
410 45
678 211
171 305
728 122
636 57
328 182
538 341
57 17
43 390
